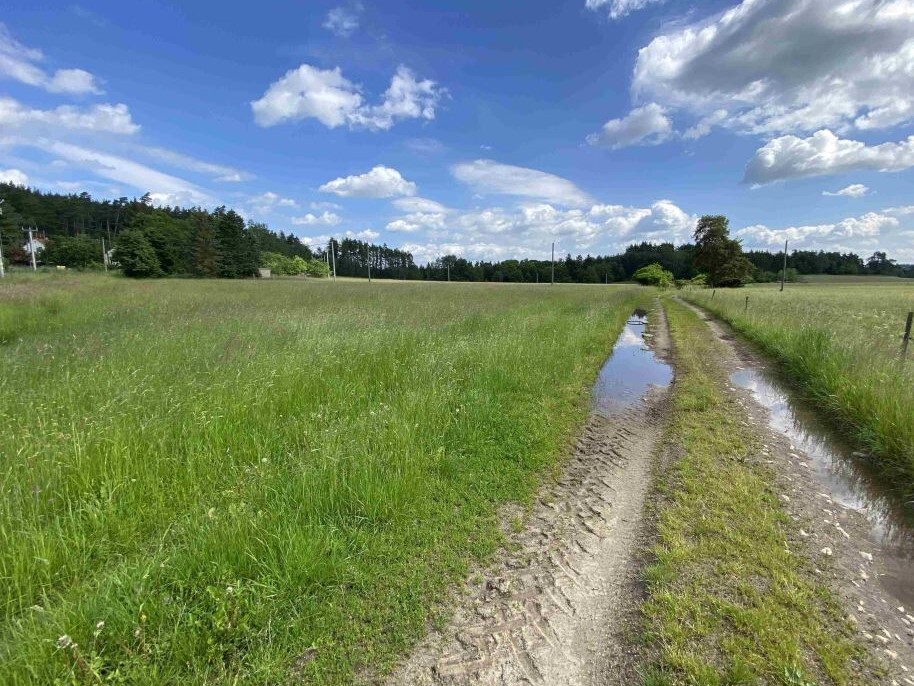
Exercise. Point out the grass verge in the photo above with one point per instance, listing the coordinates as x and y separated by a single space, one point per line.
261 482
839 345
729 602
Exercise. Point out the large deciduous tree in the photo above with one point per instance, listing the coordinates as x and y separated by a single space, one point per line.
718 255
136 256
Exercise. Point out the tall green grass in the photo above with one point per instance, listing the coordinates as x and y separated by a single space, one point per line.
840 344
250 482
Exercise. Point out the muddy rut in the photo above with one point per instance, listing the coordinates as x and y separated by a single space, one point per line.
559 605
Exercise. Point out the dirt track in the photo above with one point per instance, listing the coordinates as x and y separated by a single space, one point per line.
834 537
558 608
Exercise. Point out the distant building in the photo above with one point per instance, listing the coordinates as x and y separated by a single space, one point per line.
39 246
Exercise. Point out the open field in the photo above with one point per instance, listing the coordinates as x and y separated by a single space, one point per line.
840 344
271 482
235 482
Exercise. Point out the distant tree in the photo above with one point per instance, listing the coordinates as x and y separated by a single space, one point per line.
881 265
136 256
718 255
79 252
654 275
205 259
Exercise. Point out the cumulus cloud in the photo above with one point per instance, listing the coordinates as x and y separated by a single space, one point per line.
380 182
104 118
855 190
529 230
326 95
647 125
620 8
780 66
343 21
489 177
269 202
14 176
323 219
825 153
852 233
22 64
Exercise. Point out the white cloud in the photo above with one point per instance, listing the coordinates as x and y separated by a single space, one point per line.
323 219
855 190
853 233
21 64
405 98
343 21
420 205
380 182
489 177
219 172
782 66
103 118
418 221
319 206
14 176
647 125
322 94
326 95
529 230
426 146
164 188
269 202
825 153
620 8
705 124
324 240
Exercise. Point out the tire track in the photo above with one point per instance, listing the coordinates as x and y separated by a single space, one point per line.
557 609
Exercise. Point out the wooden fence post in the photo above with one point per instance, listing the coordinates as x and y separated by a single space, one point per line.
746 308
907 335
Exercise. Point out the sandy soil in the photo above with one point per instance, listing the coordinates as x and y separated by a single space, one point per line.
834 537
561 603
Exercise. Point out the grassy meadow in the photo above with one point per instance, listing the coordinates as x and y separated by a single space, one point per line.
249 482
840 344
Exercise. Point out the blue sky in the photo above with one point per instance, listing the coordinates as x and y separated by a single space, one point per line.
487 129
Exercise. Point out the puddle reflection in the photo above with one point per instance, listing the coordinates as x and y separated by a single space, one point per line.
630 371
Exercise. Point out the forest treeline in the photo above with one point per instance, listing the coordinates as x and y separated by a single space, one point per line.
173 241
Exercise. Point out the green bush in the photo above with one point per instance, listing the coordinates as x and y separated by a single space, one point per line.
79 252
654 275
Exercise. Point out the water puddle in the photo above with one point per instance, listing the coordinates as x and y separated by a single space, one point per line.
843 477
630 371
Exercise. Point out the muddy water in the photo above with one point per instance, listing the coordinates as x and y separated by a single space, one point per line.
843 477
630 371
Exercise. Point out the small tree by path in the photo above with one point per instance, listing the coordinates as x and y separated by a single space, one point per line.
718 255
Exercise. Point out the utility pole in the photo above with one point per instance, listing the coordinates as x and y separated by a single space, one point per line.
333 253
449 272
784 272
32 249
553 263
104 256
2 270
368 261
